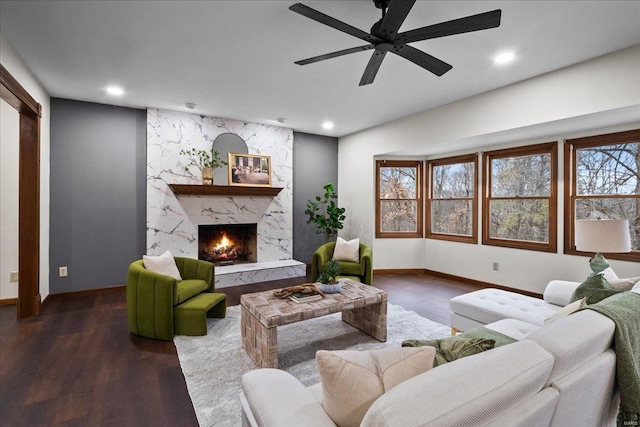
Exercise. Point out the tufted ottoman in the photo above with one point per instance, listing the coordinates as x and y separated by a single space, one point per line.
486 306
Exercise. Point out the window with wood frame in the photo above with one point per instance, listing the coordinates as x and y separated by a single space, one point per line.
602 180
520 197
399 198
452 201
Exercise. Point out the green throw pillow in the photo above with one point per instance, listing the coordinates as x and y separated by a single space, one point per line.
594 289
453 348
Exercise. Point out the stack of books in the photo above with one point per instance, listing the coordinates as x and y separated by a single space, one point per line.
299 297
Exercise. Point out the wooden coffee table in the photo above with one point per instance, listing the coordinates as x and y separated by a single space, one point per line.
362 306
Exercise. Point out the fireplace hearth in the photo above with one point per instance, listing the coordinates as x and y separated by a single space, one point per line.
228 244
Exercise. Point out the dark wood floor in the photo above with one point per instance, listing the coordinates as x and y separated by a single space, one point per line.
78 365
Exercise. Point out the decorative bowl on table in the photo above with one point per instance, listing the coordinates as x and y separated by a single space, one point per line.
329 289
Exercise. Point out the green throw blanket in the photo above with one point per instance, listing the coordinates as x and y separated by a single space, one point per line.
473 341
624 310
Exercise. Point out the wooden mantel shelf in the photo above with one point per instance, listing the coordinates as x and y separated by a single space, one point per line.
223 190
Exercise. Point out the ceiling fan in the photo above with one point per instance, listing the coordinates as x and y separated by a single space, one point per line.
384 36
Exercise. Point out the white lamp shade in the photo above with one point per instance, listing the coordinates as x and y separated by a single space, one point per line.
603 235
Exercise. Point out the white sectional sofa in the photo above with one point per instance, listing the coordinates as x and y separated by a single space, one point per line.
486 306
490 305
557 373
562 373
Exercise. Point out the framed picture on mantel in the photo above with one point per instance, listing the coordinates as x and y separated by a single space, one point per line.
249 170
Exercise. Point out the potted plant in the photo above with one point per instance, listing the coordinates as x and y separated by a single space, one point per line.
328 278
203 160
325 214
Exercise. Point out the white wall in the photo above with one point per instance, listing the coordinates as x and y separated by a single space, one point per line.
9 135
545 108
19 70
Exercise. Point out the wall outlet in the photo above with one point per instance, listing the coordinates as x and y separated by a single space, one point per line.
13 276
496 266
62 272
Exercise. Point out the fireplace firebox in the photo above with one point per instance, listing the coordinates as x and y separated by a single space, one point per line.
228 244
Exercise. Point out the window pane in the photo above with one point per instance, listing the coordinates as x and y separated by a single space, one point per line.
398 216
621 208
526 176
398 182
608 169
453 181
452 217
526 220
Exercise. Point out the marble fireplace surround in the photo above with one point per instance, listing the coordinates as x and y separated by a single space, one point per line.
172 221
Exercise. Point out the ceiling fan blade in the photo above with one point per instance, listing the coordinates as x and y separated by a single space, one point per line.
372 68
334 54
393 19
481 21
424 60
332 22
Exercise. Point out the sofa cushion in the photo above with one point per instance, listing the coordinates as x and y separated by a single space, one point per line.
186 289
163 264
516 329
276 398
347 251
574 339
471 391
353 380
559 292
624 285
350 268
595 288
609 274
490 305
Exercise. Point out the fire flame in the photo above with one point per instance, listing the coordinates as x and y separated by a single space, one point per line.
224 242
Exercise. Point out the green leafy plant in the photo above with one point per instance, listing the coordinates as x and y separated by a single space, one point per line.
325 214
333 270
324 278
203 159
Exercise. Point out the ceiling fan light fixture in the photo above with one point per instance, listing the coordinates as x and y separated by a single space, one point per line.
504 58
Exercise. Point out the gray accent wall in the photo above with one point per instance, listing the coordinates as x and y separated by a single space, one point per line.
315 163
98 193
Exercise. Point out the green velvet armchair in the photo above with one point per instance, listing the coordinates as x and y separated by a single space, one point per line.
160 306
361 271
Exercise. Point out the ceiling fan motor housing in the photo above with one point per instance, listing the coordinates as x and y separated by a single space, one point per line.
381 4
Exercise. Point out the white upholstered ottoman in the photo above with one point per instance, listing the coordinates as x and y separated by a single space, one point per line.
486 306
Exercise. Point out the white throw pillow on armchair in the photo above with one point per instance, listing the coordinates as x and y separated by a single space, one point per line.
347 251
163 264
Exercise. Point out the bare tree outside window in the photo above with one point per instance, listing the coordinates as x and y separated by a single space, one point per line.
520 196
452 199
520 188
604 173
399 208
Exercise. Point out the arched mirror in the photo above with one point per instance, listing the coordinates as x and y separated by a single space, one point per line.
227 143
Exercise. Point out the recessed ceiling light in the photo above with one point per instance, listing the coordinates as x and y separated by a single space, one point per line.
327 125
504 58
115 91
190 105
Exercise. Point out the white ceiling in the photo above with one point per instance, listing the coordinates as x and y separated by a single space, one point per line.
235 59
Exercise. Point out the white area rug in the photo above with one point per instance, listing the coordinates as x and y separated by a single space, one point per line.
213 365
